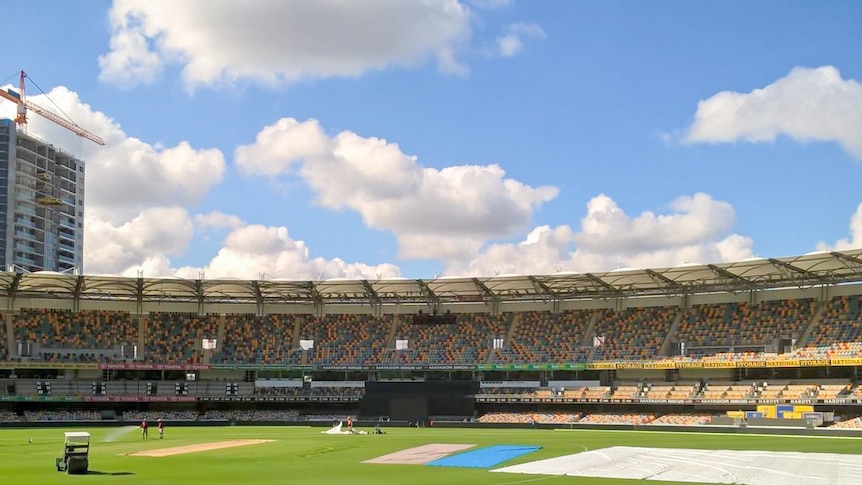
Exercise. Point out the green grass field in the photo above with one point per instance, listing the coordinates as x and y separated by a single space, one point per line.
305 456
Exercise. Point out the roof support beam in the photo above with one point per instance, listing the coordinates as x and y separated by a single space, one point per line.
13 289
541 287
199 294
76 293
484 289
853 261
429 294
315 295
794 269
372 295
669 284
139 293
723 273
258 296
604 284
79 287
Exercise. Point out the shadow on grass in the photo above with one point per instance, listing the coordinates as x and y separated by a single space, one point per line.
112 474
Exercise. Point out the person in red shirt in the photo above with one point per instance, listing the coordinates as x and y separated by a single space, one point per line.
349 423
144 431
161 429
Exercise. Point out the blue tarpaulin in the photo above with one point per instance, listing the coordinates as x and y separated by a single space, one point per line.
485 457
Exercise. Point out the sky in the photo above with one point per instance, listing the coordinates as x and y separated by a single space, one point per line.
311 140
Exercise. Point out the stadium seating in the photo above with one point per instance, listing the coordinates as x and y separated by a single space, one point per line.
716 333
626 392
250 415
832 391
678 390
696 419
529 418
711 332
468 341
633 334
167 415
787 390
682 391
63 415
597 392
343 339
742 324
509 391
272 415
252 339
176 337
225 415
657 391
839 329
7 416
547 337
66 336
613 418
851 423
328 392
727 390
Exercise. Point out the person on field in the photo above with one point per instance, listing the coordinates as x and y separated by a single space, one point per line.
144 430
161 429
349 423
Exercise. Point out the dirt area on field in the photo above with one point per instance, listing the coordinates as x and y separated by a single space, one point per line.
180 450
420 454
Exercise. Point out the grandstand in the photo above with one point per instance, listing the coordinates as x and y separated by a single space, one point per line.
560 348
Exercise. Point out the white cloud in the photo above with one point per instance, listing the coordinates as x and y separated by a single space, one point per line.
854 241
448 63
607 228
278 146
807 104
695 231
512 43
130 60
218 220
129 230
272 41
127 183
491 4
254 250
146 244
126 175
122 248
447 213
135 174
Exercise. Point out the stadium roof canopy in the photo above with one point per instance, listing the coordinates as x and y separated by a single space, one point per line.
813 269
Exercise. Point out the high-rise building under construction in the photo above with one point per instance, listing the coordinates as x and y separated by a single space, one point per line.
41 204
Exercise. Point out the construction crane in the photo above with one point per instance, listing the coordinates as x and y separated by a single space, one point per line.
20 99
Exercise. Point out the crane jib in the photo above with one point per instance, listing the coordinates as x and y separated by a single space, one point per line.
19 98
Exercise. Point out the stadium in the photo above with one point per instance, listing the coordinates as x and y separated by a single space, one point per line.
745 357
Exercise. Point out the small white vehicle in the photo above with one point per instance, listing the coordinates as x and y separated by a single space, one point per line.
76 453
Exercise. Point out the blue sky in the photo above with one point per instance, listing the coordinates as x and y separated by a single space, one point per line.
309 140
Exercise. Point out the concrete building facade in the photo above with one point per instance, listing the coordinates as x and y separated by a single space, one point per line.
41 205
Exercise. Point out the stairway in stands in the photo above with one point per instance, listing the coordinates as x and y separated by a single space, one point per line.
671 334
507 343
10 336
142 335
589 333
804 336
